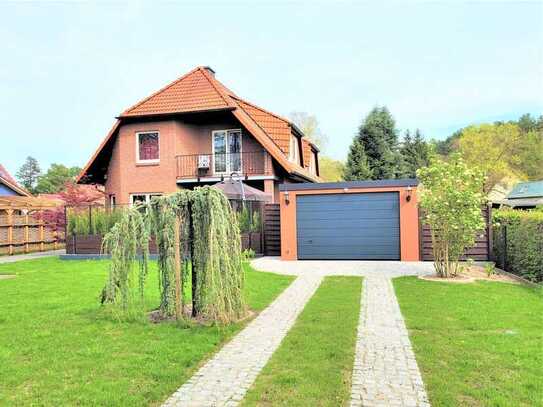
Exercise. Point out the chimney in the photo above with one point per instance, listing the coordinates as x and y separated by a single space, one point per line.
208 69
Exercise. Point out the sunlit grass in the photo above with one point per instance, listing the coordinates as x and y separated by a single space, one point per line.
59 347
477 344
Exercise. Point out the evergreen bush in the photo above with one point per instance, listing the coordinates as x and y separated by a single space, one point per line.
518 242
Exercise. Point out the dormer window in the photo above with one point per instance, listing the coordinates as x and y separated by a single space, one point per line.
294 154
313 163
147 147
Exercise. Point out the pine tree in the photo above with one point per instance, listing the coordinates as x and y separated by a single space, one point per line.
375 147
415 153
357 167
29 173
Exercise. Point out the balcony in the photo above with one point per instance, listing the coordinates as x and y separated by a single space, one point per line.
247 164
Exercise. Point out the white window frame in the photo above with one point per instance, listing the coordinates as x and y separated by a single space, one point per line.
147 196
140 161
294 153
313 163
227 154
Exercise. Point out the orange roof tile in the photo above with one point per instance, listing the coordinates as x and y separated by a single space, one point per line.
198 91
192 92
277 129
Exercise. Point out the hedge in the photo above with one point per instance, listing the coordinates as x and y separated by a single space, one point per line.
518 242
92 221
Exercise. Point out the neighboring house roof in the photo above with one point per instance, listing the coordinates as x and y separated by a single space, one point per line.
527 190
200 91
7 180
497 193
520 203
524 194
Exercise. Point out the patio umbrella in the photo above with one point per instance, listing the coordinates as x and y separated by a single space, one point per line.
237 190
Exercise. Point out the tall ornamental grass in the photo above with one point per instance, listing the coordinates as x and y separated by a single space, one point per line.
94 221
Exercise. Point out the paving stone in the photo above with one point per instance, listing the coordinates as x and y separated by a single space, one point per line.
385 370
224 380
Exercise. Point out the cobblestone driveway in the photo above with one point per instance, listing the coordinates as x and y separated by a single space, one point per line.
385 371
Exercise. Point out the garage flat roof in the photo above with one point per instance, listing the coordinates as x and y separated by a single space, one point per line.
385 183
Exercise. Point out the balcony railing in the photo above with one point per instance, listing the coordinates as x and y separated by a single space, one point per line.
216 165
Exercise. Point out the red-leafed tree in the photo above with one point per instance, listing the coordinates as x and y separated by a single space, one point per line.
73 196
76 195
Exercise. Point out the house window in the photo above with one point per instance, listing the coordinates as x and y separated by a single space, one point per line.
294 155
142 198
313 163
147 147
112 200
226 151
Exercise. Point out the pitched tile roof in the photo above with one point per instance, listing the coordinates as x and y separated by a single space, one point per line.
277 128
199 91
192 92
7 179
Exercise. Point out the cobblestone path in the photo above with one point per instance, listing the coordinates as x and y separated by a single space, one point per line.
224 380
385 371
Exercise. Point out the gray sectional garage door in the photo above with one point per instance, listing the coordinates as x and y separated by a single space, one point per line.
363 226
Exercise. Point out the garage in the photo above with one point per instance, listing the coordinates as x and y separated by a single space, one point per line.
358 220
358 226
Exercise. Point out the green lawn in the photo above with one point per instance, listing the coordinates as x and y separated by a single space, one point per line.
477 344
313 365
59 347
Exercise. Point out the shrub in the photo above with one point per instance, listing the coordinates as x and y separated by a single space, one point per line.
81 222
518 242
247 254
249 221
451 197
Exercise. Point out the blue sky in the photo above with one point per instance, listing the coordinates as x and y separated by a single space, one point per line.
66 69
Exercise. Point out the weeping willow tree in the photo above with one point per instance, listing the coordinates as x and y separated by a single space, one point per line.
217 257
198 241
169 219
128 244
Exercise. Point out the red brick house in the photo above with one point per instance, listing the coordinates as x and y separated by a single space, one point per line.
195 131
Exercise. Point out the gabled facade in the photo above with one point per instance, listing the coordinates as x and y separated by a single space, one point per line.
8 185
195 131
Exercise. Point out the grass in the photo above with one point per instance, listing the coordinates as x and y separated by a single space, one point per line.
477 344
313 365
59 347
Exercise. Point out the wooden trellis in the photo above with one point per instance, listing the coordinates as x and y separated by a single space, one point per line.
21 231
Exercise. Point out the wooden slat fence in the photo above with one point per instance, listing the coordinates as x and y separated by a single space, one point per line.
23 233
480 252
272 230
